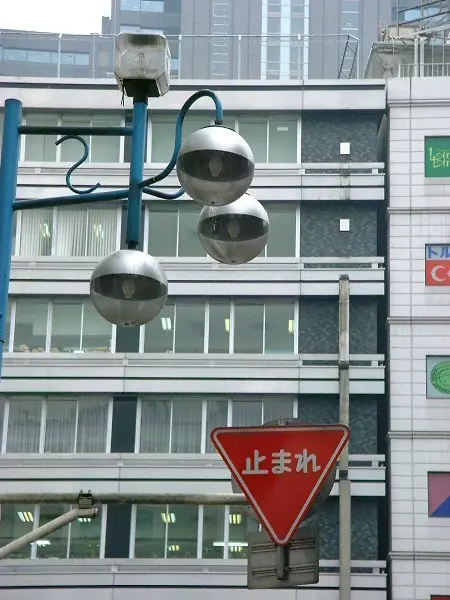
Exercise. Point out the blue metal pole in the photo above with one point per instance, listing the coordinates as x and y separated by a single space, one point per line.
138 150
8 182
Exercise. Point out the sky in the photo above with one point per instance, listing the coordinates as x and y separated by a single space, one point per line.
55 16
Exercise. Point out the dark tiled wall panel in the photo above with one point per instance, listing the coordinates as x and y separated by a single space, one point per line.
320 234
318 325
322 133
324 409
364 528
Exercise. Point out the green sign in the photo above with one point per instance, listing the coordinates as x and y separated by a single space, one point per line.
437 157
438 377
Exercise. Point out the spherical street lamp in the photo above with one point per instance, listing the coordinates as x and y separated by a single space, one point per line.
128 288
215 166
235 233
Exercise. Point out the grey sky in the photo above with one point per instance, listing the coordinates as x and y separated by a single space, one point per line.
59 16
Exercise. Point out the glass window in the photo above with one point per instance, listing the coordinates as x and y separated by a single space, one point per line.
189 243
41 147
240 526
36 232
97 331
82 60
254 131
155 425
105 148
162 229
54 545
219 326
2 412
277 407
182 531
16 521
72 150
283 229
30 330
282 140
150 537
248 326
13 54
216 416
71 231
279 327
101 231
85 537
7 327
186 425
24 426
247 413
92 425
66 325
152 5
190 326
163 138
60 426
193 123
159 332
213 531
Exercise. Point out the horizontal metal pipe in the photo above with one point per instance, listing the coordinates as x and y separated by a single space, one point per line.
50 527
73 199
61 130
126 498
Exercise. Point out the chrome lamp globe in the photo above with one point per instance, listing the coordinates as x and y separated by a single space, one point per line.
215 166
236 233
128 288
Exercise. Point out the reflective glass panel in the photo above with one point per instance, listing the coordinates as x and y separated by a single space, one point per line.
248 326
193 123
66 325
162 229
36 232
282 140
189 326
240 525
105 148
92 425
282 236
150 537
186 425
97 331
279 327
247 413
53 545
70 238
85 537
159 332
155 425
61 417
7 326
2 412
216 416
163 138
213 531
254 131
30 328
277 407
72 150
41 148
24 426
219 326
182 532
101 231
189 243
16 521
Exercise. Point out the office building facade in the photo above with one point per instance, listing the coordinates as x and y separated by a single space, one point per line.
419 426
85 405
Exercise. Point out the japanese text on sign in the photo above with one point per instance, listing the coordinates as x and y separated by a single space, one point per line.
280 462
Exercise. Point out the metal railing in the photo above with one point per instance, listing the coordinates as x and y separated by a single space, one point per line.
424 70
230 57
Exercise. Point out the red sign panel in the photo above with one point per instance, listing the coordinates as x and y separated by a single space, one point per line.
281 469
437 265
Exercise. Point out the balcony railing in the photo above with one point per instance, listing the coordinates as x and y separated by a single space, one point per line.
229 57
424 70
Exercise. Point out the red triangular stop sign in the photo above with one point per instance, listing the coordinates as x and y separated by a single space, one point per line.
280 469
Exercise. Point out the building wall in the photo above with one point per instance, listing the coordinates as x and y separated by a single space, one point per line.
418 327
127 409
